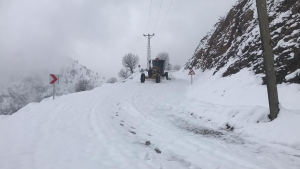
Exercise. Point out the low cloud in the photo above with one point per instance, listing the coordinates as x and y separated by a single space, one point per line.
37 35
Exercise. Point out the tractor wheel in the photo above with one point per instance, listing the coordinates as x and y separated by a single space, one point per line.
157 78
167 76
142 77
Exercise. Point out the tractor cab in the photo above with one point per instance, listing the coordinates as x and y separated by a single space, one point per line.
156 71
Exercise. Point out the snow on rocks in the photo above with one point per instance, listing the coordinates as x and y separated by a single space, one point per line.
293 74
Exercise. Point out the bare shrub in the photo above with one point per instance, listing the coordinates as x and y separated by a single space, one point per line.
83 85
112 80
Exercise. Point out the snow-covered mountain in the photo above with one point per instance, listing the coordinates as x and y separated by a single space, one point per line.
20 91
235 40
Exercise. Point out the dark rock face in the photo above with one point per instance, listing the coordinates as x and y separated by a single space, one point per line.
235 41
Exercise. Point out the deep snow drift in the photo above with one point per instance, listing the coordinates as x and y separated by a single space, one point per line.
214 123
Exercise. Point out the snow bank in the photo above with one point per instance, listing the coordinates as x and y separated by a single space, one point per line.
240 103
240 89
283 130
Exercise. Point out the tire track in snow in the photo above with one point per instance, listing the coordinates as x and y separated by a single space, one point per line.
151 109
103 110
156 128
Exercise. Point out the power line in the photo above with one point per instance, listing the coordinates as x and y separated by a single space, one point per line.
160 46
158 15
165 16
149 15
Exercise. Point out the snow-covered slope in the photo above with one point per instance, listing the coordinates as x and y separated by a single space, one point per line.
20 91
236 39
168 125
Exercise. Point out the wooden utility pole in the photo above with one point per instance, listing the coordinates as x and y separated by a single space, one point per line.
268 57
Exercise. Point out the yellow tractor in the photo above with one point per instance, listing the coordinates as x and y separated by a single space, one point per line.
157 71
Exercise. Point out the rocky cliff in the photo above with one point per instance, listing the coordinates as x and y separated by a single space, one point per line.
235 41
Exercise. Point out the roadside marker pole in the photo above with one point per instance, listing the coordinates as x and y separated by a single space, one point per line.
54 79
53 91
191 73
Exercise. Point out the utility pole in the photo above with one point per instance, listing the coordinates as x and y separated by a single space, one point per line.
268 58
148 50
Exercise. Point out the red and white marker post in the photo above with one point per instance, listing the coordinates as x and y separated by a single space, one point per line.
54 79
191 73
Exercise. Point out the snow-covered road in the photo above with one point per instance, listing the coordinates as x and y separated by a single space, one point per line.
129 125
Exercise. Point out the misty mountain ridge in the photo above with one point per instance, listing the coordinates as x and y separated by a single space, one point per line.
21 90
235 41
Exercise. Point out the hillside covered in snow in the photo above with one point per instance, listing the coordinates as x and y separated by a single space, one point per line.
235 40
20 91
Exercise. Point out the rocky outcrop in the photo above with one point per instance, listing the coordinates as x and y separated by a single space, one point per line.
235 41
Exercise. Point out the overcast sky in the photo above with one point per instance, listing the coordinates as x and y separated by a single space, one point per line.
36 34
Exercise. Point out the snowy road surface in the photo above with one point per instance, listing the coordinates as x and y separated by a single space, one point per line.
130 125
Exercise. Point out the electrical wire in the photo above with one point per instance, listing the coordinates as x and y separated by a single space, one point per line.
165 16
160 46
158 15
149 15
